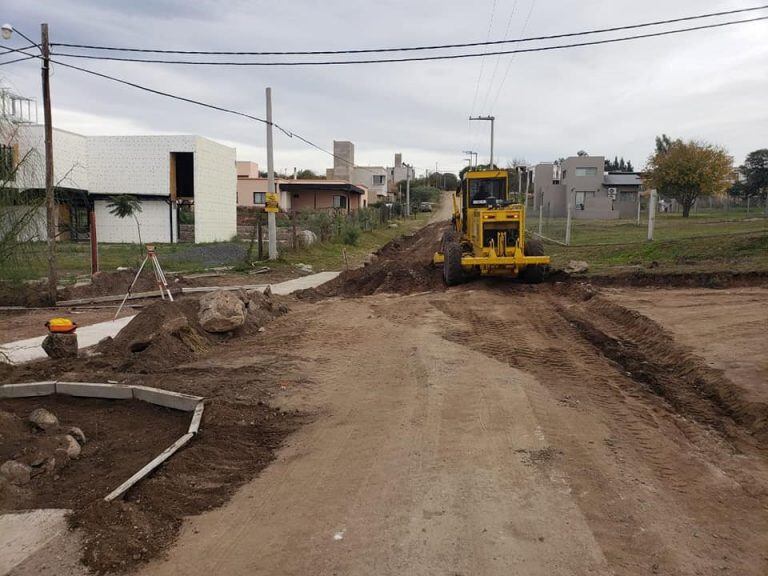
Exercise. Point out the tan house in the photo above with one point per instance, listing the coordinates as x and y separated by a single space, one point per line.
297 194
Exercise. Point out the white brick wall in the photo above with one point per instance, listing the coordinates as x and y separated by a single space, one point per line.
140 165
215 191
134 164
70 158
154 220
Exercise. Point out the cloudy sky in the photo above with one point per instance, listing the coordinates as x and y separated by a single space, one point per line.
608 100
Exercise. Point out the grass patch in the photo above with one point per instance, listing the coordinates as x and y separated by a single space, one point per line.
74 258
708 241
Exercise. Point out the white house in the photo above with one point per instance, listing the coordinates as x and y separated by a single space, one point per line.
169 174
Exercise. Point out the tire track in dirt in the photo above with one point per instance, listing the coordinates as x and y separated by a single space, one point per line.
666 489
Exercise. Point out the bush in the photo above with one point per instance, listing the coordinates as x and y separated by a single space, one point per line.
350 234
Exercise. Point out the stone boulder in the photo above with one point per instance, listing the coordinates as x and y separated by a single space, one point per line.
77 434
221 311
43 419
58 345
306 238
69 445
576 267
16 473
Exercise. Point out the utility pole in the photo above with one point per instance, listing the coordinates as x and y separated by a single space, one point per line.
654 198
407 190
50 199
271 219
492 119
569 218
472 161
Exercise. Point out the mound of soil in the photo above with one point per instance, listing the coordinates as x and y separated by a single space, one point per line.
402 266
121 437
117 283
30 294
721 279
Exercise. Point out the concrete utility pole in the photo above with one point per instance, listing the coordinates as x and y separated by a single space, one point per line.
654 198
569 218
271 219
492 119
407 189
472 157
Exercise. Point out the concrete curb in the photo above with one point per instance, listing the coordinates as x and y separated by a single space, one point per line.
165 398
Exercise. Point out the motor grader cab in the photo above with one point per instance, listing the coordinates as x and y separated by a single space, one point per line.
487 235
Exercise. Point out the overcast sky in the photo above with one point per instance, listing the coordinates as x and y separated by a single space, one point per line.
608 100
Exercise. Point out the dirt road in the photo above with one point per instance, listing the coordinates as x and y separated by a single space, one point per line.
493 428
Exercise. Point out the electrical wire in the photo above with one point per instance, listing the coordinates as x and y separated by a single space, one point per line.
17 60
421 58
512 58
410 48
482 60
498 58
286 132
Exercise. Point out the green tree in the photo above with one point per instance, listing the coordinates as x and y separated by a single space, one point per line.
663 144
307 174
686 171
755 172
126 206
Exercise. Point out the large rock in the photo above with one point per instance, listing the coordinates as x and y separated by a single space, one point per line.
576 267
221 311
43 419
69 445
77 434
16 473
58 345
306 238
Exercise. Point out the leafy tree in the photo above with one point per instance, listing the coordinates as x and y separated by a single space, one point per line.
663 144
126 206
630 168
307 174
687 170
582 153
755 171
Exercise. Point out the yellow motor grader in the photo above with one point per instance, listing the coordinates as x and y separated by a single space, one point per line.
487 234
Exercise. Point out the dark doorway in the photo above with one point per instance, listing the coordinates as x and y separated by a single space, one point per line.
182 175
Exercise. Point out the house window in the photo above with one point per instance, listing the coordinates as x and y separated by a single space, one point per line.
7 164
588 171
379 179
339 201
581 199
259 197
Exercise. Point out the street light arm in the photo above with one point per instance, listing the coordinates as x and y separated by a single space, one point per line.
8 29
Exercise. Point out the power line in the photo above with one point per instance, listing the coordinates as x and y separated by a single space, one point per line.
17 60
408 48
512 58
498 58
288 133
422 58
482 60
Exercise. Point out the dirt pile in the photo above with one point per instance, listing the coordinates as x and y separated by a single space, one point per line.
112 443
166 334
117 283
402 266
23 294
682 279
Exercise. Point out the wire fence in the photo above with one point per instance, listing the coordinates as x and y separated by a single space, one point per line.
716 218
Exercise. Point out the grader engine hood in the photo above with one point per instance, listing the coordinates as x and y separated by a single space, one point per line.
497 231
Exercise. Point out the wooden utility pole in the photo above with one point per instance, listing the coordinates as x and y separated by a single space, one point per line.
50 199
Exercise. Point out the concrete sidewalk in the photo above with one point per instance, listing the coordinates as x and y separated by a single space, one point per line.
30 349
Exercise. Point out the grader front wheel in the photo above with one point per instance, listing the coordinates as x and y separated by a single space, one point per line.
452 271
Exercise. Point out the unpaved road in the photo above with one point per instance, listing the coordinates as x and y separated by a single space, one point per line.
727 327
492 429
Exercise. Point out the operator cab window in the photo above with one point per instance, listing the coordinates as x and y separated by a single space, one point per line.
482 189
